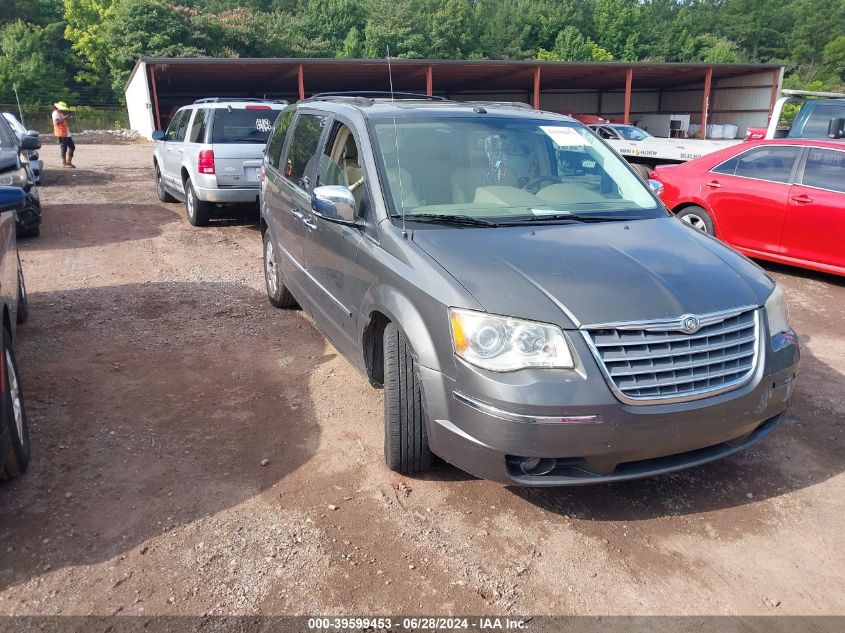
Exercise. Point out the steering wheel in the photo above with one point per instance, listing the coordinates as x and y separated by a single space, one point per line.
534 182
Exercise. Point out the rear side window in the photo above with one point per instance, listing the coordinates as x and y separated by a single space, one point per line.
277 138
820 116
243 125
825 169
773 164
303 148
198 127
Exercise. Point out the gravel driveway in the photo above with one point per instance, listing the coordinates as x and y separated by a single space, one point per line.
197 451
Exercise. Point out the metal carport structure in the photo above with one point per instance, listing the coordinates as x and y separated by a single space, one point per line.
742 94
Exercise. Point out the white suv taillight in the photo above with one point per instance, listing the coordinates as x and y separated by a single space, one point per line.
205 165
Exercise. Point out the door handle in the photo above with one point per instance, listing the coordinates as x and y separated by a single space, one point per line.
311 224
802 199
714 184
296 213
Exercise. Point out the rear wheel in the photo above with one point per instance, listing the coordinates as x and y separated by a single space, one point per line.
161 191
698 218
12 414
198 210
406 447
277 292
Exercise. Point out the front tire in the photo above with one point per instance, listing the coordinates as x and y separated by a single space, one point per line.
161 191
13 415
277 292
23 298
198 210
698 218
406 448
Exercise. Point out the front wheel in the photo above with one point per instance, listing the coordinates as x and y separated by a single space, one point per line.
406 448
698 218
161 191
23 299
643 170
12 415
198 210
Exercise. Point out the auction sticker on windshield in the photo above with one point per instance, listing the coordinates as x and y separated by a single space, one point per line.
564 136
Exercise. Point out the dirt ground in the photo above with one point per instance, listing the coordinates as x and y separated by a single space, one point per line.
158 379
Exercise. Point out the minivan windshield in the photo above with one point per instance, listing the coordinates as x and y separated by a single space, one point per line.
506 170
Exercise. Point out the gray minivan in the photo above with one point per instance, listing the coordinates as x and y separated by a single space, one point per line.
533 312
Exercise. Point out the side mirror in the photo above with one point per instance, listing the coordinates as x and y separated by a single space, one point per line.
11 199
158 135
334 202
656 186
836 128
30 143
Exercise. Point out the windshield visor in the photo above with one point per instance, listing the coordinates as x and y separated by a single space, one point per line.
505 170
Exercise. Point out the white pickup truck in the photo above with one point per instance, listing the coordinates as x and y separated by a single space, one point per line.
645 151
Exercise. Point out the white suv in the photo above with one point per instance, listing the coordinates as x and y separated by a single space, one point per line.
211 153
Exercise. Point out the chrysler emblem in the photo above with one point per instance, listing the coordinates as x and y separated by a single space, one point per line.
690 323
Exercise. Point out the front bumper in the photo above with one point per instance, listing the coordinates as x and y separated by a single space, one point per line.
248 195
487 424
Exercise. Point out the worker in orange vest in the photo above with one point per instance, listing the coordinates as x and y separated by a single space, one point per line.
60 129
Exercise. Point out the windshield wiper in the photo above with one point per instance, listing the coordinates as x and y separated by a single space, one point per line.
559 217
464 220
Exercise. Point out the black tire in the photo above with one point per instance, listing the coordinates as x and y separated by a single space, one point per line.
32 231
23 298
277 292
643 170
406 448
698 218
161 191
198 210
16 457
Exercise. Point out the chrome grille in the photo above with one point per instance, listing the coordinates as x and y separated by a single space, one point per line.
657 361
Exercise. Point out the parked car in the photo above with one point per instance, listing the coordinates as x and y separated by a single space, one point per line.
15 172
14 436
31 156
780 200
211 152
620 132
533 312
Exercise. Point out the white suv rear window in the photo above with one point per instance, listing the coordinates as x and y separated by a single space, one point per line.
243 125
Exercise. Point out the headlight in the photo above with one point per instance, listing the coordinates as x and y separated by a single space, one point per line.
15 178
777 312
501 343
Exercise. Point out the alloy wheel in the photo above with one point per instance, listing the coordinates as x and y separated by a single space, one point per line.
270 270
15 393
695 221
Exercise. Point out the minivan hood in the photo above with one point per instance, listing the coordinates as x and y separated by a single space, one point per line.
579 274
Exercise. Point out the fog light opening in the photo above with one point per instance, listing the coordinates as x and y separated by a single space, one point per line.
536 466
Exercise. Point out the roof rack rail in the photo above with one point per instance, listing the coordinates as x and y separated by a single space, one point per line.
239 100
811 93
378 94
511 104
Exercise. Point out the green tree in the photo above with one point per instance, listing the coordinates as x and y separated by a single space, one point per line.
616 27
834 57
29 61
143 27
353 46
571 45
87 21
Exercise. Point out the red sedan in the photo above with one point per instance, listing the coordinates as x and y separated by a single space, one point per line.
781 200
